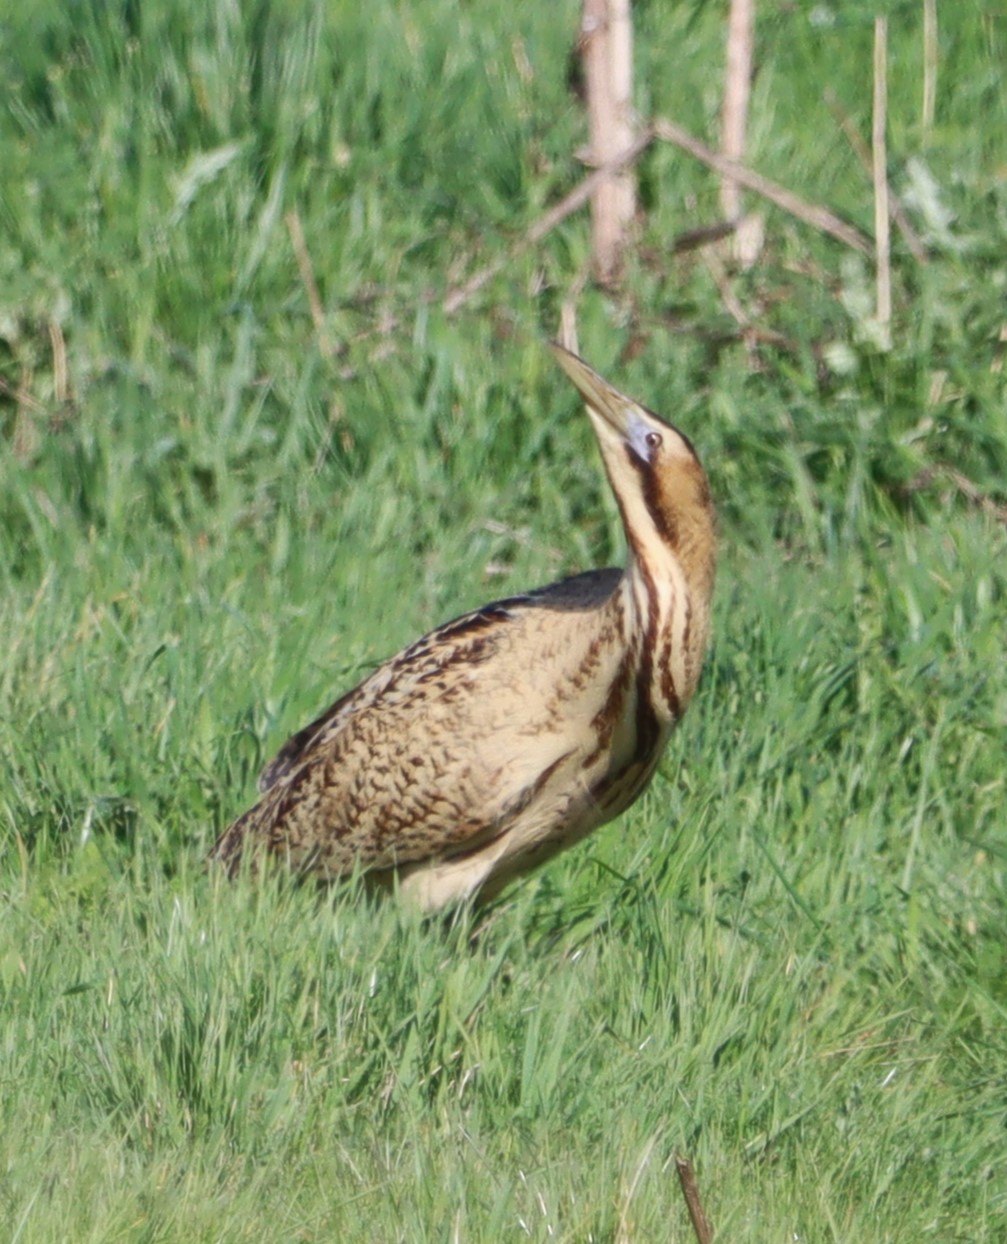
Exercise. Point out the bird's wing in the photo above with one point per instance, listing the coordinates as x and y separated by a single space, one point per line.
582 591
435 650
295 747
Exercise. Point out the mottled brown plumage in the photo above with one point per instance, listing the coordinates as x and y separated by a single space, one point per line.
511 732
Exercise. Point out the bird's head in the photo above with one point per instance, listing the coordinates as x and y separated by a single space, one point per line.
658 481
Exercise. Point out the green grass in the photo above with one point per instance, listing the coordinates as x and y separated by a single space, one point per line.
787 961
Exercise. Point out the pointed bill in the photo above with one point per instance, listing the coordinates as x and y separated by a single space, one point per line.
614 407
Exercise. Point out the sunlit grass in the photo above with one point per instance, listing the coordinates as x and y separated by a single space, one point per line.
787 961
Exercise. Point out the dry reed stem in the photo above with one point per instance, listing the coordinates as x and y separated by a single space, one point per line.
607 46
567 336
729 298
700 1223
929 66
812 214
304 266
60 371
737 82
882 241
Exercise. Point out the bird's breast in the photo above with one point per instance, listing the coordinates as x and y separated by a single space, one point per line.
574 737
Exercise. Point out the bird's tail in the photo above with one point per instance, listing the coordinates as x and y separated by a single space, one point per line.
228 850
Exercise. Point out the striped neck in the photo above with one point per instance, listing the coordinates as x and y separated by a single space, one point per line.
668 627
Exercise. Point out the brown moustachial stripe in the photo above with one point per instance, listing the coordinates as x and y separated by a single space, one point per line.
513 731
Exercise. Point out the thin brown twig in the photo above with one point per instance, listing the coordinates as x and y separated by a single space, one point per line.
863 154
304 266
692 239
21 396
810 213
729 298
700 1222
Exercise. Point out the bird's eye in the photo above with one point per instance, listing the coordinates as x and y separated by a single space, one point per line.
653 440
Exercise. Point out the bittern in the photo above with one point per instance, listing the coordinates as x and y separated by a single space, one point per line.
510 733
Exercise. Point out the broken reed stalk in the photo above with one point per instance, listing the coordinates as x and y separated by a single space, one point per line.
882 242
737 82
812 214
607 47
690 1190
929 66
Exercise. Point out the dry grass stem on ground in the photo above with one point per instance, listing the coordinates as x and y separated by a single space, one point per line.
882 248
751 334
307 271
693 1201
60 370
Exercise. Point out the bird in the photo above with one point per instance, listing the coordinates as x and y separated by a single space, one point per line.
508 734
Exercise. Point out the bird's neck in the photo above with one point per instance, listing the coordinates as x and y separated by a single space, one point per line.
668 623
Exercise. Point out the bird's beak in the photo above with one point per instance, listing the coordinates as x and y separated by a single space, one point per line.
611 405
